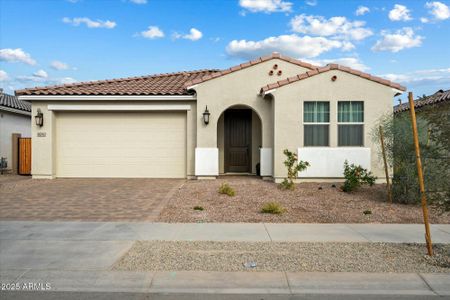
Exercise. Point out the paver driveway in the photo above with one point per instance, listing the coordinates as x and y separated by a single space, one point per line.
85 199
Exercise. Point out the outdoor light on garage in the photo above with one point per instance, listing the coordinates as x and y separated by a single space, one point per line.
39 118
206 116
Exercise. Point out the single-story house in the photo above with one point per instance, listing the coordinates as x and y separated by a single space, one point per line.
15 121
200 124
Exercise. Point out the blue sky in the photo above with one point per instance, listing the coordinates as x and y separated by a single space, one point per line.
61 41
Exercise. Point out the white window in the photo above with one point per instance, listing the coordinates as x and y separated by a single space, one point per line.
316 123
350 123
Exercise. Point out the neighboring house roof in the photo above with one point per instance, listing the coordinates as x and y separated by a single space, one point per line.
259 60
158 84
440 96
327 68
13 102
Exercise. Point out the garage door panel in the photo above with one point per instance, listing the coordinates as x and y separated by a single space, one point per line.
120 144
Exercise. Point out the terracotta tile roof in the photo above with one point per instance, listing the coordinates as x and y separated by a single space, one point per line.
437 98
249 64
11 101
158 84
327 68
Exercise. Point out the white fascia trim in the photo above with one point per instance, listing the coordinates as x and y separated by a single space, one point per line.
118 107
269 92
125 98
397 92
192 87
16 111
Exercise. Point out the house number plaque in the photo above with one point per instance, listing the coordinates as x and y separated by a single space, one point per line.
42 134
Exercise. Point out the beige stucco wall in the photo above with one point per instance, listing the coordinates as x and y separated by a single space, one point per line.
288 111
239 88
44 148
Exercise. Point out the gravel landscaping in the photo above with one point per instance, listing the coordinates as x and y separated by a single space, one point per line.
308 203
283 256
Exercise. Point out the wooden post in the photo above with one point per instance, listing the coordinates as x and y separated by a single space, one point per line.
386 171
420 175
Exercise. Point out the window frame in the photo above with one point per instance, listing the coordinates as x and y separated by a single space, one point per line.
316 123
351 123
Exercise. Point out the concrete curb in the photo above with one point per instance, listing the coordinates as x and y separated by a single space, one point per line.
189 282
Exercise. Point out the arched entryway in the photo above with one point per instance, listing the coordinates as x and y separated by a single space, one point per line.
239 139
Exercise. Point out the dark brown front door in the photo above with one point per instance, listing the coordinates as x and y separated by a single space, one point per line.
238 140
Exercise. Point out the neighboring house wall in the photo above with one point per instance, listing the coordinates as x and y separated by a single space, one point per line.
237 88
288 119
44 149
12 123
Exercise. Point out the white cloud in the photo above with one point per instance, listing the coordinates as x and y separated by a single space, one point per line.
193 35
424 20
16 55
362 10
401 39
311 2
139 1
439 10
292 45
400 13
352 62
266 6
338 27
90 23
40 74
422 77
66 80
153 32
59 65
3 76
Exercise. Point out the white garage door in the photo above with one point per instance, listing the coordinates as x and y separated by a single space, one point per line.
121 144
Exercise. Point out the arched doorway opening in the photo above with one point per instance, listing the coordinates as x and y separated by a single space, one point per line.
239 139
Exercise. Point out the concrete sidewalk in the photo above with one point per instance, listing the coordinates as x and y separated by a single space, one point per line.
250 232
236 282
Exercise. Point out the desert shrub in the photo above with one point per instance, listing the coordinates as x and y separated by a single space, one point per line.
434 140
355 176
273 208
200 208
293 166
226 189
367 212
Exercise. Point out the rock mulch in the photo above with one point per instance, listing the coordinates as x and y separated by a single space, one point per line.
283 256
308 203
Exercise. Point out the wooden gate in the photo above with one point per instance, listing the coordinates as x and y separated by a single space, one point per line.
24 156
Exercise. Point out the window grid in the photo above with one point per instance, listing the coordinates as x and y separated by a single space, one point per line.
316 121
348 123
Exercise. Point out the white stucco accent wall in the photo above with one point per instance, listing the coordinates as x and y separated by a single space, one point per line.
206 162
328 162
266 161
12 123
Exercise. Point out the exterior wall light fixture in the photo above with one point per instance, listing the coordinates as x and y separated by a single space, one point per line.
39 118
206 116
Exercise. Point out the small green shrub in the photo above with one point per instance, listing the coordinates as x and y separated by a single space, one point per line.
200 208
293 166
273 208
226 189
355 176
287 185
